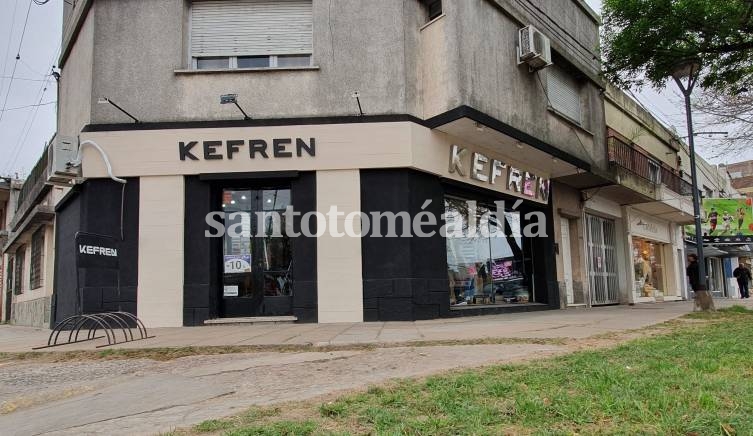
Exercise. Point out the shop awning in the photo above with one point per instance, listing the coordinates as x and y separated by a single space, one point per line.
721 250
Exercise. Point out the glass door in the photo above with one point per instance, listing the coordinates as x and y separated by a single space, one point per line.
257 257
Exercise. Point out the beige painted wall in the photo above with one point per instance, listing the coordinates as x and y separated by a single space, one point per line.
621 121
338 147
435 69
340 280
160 284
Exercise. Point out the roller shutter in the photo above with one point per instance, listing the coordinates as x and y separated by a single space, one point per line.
564 93
250 27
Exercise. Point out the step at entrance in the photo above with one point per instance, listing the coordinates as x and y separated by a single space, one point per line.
252 320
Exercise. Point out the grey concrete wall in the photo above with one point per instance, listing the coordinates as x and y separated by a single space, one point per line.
75 86
366 46
141 61
34 313
490 80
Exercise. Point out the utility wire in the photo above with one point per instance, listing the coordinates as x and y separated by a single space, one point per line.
24 79
22 139
15 65
30 105
24 135
10 38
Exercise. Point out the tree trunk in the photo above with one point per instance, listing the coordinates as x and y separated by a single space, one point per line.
704 301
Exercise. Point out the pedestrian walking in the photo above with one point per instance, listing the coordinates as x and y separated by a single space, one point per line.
742 274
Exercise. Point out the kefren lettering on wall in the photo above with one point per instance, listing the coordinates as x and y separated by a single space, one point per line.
479 167
251 148
97 251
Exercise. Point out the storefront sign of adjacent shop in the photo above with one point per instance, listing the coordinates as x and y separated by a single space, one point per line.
480 167
248 148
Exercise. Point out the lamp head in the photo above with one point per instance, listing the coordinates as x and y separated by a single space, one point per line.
686 68
229 99
103 100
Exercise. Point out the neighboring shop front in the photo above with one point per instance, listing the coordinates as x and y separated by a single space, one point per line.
657 260
603 227
489 191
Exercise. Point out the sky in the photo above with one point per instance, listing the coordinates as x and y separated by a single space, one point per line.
26 126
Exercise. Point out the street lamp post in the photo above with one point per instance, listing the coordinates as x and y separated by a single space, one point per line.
689 69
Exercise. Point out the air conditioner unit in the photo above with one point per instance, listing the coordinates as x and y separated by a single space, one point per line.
62 150
533 48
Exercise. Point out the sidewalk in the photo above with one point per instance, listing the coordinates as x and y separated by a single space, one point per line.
571 323
144 396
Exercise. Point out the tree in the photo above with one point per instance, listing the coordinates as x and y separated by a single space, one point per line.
733 113
705 42
643 40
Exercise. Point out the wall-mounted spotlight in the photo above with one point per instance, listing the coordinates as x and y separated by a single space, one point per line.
105 100
233 99
357 96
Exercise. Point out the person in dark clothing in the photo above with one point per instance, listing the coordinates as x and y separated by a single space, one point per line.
742 274
692 271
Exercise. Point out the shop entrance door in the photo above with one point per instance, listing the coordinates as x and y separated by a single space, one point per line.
256 253
602 265
567 263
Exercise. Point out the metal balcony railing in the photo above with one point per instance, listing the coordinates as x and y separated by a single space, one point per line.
641 164
33 185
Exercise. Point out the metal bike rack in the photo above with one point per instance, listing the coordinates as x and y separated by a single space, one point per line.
92 326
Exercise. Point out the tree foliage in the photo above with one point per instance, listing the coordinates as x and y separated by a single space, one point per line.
644 39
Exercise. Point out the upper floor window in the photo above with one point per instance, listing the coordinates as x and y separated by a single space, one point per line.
251 34
18 274
563 91
433 7
654 171
10 273
37 257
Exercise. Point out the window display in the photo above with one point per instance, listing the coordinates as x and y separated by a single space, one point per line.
648 267
485 260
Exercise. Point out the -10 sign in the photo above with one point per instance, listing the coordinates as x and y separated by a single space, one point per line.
236 264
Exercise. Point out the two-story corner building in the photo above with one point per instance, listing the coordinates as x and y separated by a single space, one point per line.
28 247
372 107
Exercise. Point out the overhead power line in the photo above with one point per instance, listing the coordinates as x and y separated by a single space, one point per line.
15 65
30 105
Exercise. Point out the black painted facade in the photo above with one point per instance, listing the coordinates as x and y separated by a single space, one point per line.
202 285
95 207
405 279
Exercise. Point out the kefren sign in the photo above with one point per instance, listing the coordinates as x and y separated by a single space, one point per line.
480 167
96 251
251 148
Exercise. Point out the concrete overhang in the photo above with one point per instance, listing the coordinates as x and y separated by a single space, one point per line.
483 130
36 218
669 206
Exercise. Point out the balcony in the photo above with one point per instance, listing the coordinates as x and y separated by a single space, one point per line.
30 214
638 163
646 184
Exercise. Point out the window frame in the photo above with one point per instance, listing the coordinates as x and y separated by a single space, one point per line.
233 63
563 71
11 274
233 59
36 263
18 279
